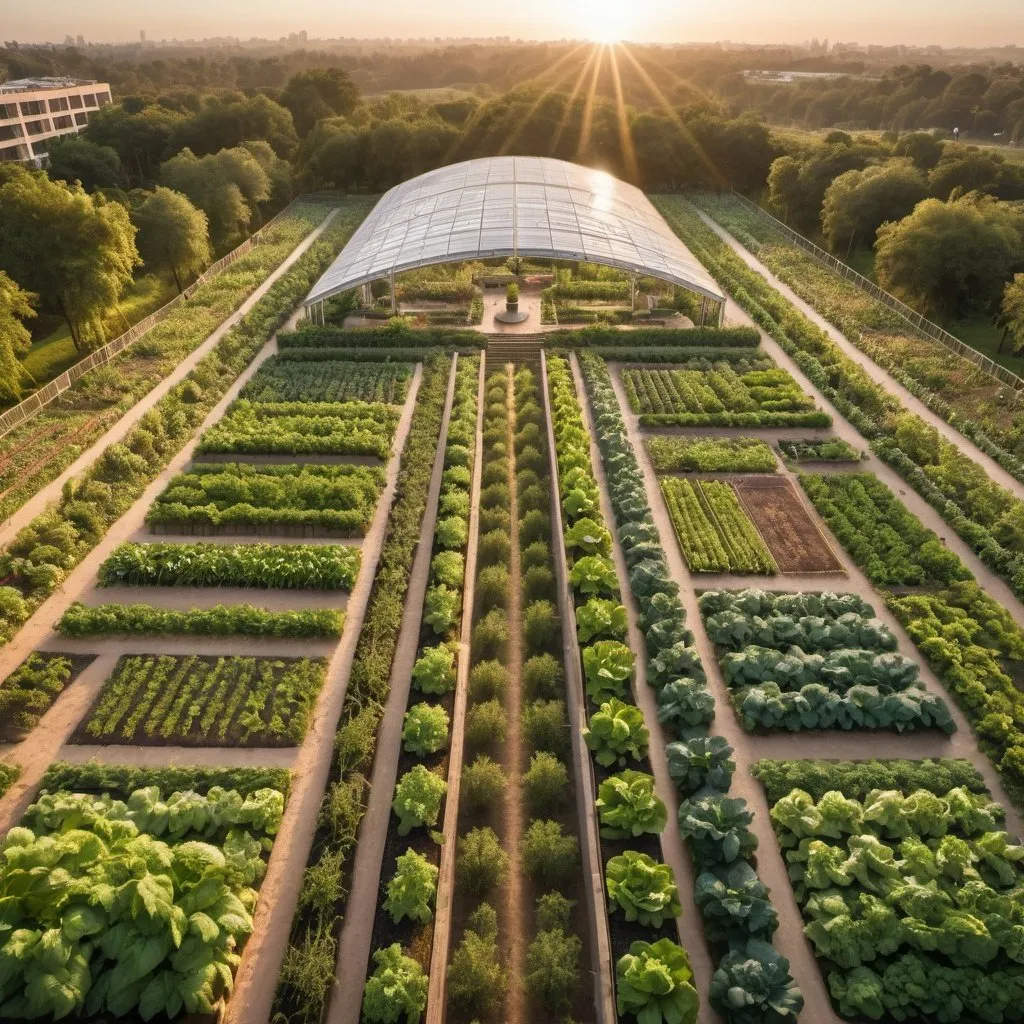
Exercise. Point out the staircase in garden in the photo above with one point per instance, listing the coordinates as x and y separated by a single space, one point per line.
521 349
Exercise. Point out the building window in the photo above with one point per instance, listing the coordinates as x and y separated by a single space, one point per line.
8 110
62 122
39 148
31 107
89 99
103 98
76 102
81 118
9 153
60 103
37 127
10 131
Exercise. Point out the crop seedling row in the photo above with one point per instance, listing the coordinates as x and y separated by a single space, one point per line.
280 380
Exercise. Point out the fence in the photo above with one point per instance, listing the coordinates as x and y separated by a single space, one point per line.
25 410
921 324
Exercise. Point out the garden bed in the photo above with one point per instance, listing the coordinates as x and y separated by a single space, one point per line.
30 690
792 536
279 380
204 702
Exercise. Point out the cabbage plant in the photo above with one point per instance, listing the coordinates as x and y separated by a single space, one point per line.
718 828
734 904
752 985
699 762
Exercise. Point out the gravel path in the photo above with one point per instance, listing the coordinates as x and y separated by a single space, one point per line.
256 980
364 885
834 744
52 490
674 853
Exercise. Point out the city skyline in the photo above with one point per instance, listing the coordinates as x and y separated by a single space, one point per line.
919 23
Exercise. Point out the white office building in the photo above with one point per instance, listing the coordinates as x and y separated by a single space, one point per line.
35 111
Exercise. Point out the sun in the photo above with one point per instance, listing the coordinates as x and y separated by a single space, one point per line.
604 21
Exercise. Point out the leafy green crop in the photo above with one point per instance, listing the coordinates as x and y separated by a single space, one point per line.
600 620
701 761
642 887
616 733
718 828
653 982
734 904
412 888
752 985
425 730
627 806
418 797
594 574
608 665
434 671
397 988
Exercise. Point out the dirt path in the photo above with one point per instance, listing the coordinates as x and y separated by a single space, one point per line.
674 853
515 911
437 991
593 868
164 757
256 980
52 490
357 927
834 744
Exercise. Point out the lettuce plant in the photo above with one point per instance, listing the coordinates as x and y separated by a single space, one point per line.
642 887
752 986
418 797
412 888
594 574
441 608
616 732
434 671
425 730
699 762
607 665
653 982
588 538
718 829
600 619
627 806
397 989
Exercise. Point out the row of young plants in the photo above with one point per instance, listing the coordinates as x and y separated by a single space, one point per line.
752 981
233 497
721 395
44 552
29 691
308 971
838 668
36 452
396 987
264 566
714 532
192 701
643 897
279 380
911 898
710 455
964 395
82 620
163 939
984 514
301 428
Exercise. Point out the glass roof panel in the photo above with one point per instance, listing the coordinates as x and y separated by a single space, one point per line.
507 204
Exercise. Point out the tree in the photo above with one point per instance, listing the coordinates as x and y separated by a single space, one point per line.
857 203
796 188
173 234
277 170
75 158
951 259
319 93
1011 315
967 168
923 148
140 140
227 186
224 122
15 306
75 250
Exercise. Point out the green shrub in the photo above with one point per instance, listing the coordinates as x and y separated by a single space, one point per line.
486 725
533 554
543 677
538 583
492 587
533 526
488 680
476 980
481 864
545 726
495 519
451 533
494 548
533 499
495 496
554 911
494 472
448 568
483 782
546 783
549 855
530 458
526 479
553 969
454 502
490 636
540 627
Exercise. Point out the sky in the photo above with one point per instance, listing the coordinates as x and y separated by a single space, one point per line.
917 22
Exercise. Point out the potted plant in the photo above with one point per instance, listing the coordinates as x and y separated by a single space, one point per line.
512 297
